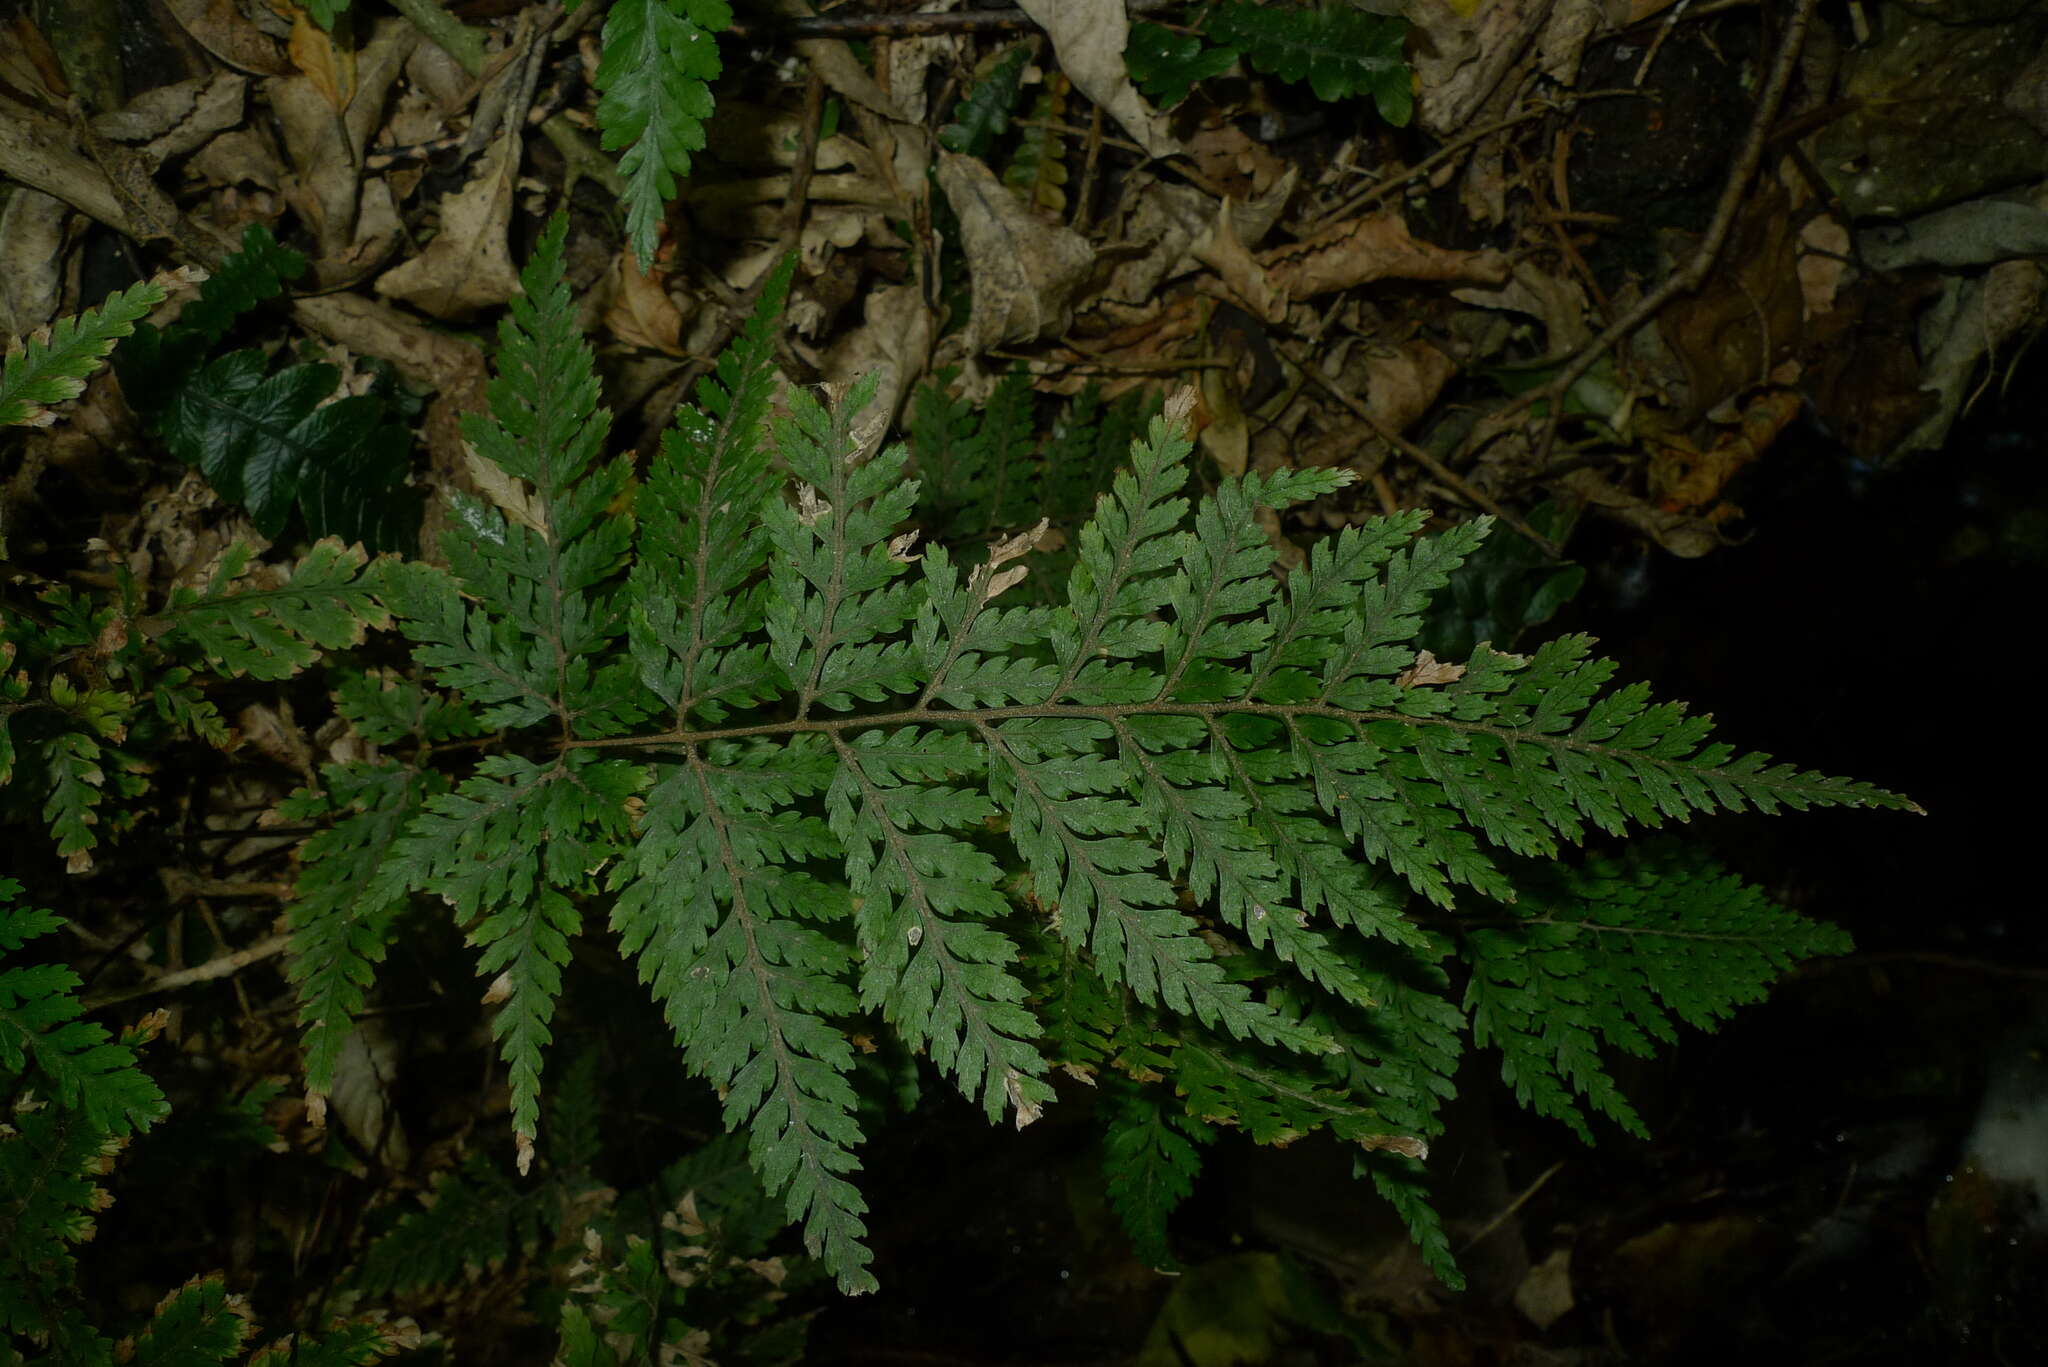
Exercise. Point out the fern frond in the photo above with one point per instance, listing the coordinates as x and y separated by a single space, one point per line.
49 370
1150 1160
527 651
198 1325
78 1095
656 72
1404 1184
1038 169
1607 956
352 1343
983 114
72 761
937 971
701 539
48 1198
272 630
1221 789
477 1219
246 278
83 1068
834 592
713 903
349 893
1404 1051
507 850
1338 50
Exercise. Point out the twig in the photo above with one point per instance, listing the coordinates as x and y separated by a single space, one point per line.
902 25
1438 471
1688 277
1507 1212
1379 190
1657 43
445 31
221 967
800 175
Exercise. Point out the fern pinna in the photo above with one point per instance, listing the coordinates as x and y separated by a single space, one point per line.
1168 835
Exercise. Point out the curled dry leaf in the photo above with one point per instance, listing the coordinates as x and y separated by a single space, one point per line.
1025 271
1428 671
468 266
510 495
810 507
1375 247
225 32
1407 1145
1016 547
1027 1109
1089 37
1220 250
642 314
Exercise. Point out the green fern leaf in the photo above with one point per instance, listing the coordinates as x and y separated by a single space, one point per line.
83 1068
152 364
1151 1160
701 540
506 850
938 973
79 1094
1608 956
1404 1185
72 761
1167 65
1221 790
198 1325
1037 169
655 74
272 630
349 894
1340 51
712 903
49 370
478 1219
541 566
355 1343
983 114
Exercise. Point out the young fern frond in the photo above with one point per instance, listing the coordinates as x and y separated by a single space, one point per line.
1221 789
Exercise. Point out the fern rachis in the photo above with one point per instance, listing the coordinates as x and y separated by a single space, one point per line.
1220 789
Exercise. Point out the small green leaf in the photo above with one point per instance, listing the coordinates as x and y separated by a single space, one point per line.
1167 65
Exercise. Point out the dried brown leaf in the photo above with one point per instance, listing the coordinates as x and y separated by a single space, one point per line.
1025 271
468 266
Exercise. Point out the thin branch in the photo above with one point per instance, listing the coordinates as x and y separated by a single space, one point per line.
1688 277
1379 190
212 969
1442 473
903 25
